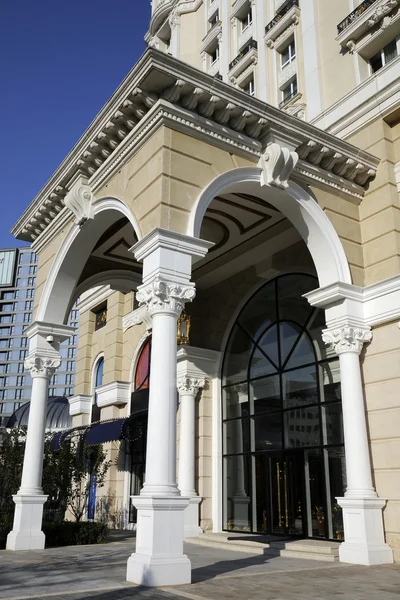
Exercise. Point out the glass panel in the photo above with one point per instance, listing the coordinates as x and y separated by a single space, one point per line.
236 436
316 493
260 311
236 493
329 374
302 354
332 423
260 365
291 305
235 401
337 478
299 387
269 344
237 357
390 51
265 395
268 431
288 335
302 427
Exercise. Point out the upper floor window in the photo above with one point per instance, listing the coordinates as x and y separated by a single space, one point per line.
214 55
290 90
214 19
249 87
388 53
288 54
100 317
246 21
98 380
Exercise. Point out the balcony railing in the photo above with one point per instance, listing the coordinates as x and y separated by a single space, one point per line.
354 15
246 49
281 14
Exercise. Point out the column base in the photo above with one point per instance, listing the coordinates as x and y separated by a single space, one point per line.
191 518
363 532
240 512
27 531
159 559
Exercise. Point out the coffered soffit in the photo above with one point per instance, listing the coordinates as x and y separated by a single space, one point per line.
161 90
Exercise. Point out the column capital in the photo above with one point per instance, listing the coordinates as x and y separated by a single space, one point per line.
165 297
189 385
42 366
347 339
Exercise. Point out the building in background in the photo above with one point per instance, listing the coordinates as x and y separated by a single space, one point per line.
18 268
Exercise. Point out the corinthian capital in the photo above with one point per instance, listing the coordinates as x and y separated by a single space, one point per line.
347 339
165 297
42 366
79 200
189 385
277 164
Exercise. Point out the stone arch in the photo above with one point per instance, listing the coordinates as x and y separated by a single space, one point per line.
298 205
58 294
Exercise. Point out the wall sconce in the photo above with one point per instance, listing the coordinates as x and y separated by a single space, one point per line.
183 329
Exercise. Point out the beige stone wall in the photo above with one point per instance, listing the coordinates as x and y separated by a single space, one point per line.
379 210
381 373
191 35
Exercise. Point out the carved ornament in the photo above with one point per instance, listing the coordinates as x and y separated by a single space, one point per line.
347 339
189 385
277 164
164 297
79 200
42 366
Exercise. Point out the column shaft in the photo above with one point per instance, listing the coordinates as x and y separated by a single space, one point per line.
161 440
187 445
358 464
31 482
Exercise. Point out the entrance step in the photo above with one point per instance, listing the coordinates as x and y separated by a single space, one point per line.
257 544
320 550
308 549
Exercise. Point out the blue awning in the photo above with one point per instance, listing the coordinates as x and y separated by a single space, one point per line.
105 432
56 441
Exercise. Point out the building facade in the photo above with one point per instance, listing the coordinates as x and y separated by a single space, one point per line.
246 170
17 296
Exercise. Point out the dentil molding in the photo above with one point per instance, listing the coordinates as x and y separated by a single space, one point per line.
347 339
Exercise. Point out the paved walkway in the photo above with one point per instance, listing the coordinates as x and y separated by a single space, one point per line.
98 572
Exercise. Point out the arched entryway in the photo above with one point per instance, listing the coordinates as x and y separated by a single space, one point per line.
283 446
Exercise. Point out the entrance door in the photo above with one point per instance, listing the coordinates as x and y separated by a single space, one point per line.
281 502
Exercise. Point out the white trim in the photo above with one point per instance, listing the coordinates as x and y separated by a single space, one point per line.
297 204
368 306
115 393
59 287
80 405
93 297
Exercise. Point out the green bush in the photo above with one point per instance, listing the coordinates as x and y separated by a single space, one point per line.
67 533
70 533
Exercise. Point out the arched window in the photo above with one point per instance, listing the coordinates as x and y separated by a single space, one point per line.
98 380
142 374
282 417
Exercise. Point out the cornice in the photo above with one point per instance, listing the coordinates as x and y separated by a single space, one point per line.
161 90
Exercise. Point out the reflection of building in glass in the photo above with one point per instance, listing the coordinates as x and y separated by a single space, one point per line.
18 269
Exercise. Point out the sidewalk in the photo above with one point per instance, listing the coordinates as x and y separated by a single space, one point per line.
98 572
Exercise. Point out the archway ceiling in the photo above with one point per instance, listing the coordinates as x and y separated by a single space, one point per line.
246 231
161 90
112 251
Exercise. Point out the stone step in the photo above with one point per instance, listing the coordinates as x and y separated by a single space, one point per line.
319 550
231 543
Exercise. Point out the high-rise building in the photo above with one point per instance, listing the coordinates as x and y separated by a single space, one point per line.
18 268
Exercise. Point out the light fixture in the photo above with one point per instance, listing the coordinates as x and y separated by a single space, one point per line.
183 329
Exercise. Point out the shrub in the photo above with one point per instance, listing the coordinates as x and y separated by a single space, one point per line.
70 533
67 533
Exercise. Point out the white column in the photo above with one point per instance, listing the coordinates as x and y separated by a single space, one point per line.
188 388
27 529
159 559
362 509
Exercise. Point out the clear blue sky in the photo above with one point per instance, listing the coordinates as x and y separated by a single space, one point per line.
59 63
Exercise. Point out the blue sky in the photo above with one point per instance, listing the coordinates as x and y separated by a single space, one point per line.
59 63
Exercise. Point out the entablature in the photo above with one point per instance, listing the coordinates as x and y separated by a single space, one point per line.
161 90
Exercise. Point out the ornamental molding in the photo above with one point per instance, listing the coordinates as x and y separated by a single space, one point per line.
133 113
42 366
277 165
347 339
79 199
358 26
116 393
139 316
162 297
189 385
287 72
